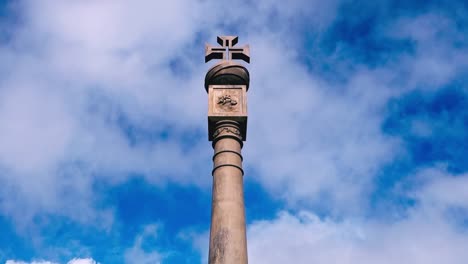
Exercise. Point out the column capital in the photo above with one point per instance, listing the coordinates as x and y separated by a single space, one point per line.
227 129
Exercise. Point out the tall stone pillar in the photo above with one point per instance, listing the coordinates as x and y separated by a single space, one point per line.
227 84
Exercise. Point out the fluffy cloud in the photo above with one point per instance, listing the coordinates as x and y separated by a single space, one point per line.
137 253
304 238
426 234
22 262
73 261
82 261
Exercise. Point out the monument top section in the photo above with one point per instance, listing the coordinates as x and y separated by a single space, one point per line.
227 72
227 50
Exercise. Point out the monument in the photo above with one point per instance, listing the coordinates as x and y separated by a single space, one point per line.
227 83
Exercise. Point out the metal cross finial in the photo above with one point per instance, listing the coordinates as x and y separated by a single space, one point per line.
226 51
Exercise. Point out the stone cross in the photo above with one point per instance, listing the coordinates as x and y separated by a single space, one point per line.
227 50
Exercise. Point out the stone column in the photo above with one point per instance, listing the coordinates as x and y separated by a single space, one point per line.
227 83
228 243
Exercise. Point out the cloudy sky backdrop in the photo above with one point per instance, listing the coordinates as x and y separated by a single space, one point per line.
357 143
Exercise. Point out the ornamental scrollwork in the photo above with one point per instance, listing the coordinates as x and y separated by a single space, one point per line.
234 131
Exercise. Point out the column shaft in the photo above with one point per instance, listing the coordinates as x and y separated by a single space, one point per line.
228 243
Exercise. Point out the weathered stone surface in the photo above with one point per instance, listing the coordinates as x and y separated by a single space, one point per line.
227 84
228 242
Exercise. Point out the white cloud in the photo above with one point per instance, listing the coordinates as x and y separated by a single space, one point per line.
37 120
424 235
442 190
438 58
307 239
73 261
82 261
138 254
34 262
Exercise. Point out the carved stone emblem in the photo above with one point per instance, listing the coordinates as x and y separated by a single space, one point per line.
227 50
227 102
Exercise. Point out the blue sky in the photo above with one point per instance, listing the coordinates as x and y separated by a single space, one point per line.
357 141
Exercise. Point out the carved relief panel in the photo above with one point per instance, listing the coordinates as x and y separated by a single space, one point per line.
227 100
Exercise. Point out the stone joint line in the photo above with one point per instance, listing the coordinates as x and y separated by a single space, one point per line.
219 137
226 165
228 151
